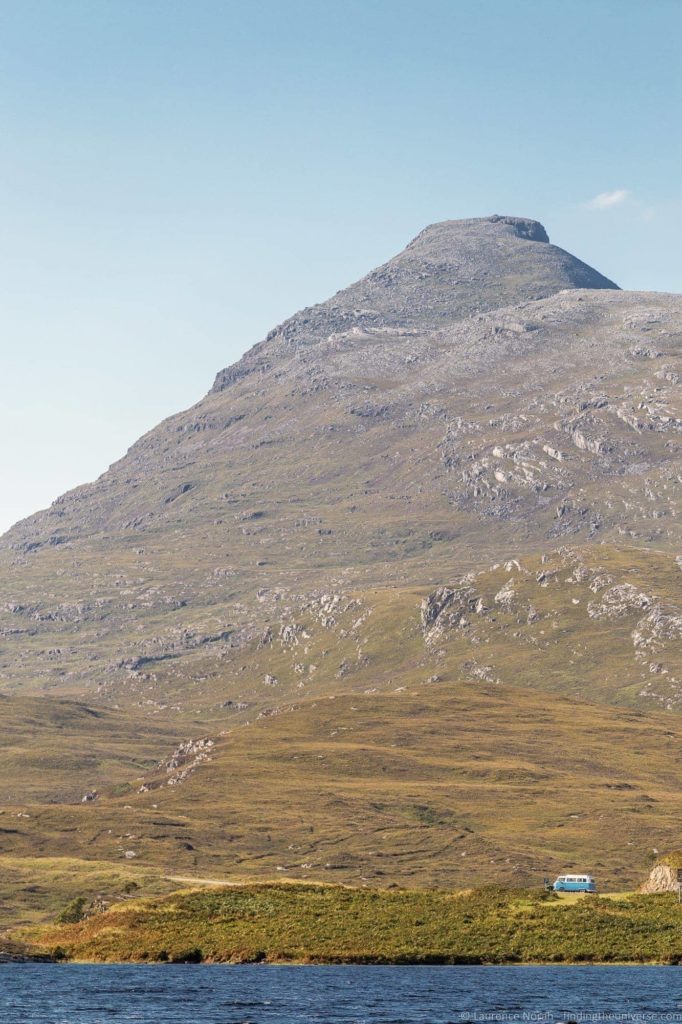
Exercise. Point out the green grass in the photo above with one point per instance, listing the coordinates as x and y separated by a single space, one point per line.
672 859
33 890
334 924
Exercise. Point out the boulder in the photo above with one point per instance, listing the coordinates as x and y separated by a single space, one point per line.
665 876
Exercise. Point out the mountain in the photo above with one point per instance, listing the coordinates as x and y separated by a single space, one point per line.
449 271
447 497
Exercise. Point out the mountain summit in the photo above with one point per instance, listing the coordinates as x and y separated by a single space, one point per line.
396 581
450 270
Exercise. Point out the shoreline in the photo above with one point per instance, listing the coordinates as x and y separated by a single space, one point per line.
303 924
26 958
65 962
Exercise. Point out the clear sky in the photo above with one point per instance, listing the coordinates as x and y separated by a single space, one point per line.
178 176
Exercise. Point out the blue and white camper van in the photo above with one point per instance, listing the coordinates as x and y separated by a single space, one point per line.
575 883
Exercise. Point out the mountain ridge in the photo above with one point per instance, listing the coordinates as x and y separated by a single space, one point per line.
418 495
449 270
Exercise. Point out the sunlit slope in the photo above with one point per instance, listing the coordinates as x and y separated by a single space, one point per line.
602 622
333 924
357 449
37 889
57 751
397 601
430 784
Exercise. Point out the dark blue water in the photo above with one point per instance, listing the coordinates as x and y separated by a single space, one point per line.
201 994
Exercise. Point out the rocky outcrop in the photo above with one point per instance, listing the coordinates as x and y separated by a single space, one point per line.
446 608
181 764
659 626
456 407
618 601
451 269
664 877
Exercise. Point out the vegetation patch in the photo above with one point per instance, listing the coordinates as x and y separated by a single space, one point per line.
280 922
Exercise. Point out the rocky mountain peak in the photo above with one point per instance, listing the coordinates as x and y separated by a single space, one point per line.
450 271
413 544
448 234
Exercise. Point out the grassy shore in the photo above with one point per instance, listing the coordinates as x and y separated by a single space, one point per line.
301 923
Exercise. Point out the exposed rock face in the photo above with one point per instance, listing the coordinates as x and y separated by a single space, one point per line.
447 609
448 271
434 605
663 878
618 601
181 764
481 397
458 481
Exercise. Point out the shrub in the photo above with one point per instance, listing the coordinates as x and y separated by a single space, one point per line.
73 912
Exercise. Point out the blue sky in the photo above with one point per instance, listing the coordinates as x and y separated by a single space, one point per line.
177 177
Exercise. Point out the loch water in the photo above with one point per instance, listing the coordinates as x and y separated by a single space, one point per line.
203 994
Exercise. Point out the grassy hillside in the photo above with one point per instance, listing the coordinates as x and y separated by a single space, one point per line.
36 889
326 924
439 784
397 602
57 751
371 460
